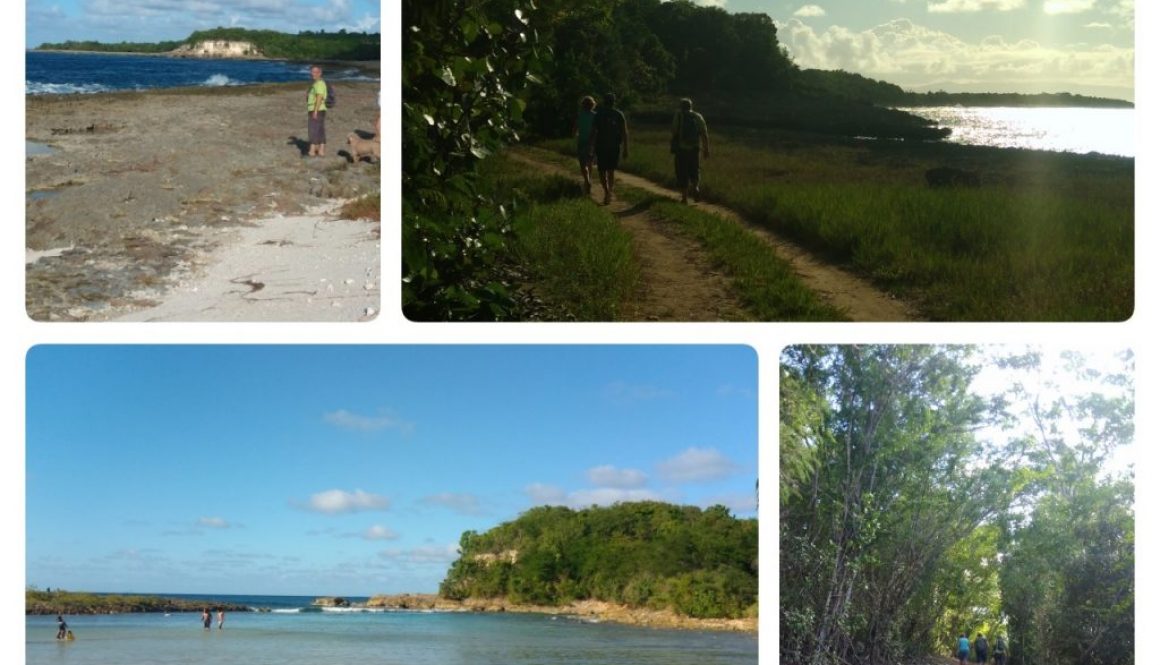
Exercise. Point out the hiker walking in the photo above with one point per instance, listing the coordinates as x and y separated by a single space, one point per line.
610 142
689 142
964 648
980 649
583 132
1000 651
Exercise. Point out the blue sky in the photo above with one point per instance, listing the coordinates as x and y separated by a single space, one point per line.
157 20
1082 46
354 470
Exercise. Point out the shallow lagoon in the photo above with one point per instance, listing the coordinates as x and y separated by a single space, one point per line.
390 638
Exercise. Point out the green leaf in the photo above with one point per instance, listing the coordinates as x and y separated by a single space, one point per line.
447 76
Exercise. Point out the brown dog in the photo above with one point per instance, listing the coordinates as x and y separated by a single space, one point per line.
360 148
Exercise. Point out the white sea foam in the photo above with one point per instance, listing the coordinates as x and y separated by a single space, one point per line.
40 88
218 80
296 610
351 610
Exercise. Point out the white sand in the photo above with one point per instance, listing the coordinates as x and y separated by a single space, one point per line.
312 267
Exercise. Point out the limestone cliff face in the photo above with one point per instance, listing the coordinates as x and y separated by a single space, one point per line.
218 49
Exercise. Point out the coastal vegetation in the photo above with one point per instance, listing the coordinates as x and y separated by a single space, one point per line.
367 206
804 153
1045 237
913 510
75 602
699 563
305 45
855 87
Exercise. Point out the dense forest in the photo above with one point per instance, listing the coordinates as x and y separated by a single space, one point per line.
700 563
306 45
914 510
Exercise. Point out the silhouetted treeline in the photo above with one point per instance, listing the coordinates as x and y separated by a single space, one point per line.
858 88
110 47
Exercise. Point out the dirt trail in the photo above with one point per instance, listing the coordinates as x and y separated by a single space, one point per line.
678 282
855 296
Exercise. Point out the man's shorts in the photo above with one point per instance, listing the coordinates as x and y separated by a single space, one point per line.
608 160
688 167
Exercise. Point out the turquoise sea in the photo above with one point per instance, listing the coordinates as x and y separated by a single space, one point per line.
288 635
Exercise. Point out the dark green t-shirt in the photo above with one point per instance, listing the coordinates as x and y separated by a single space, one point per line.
610 127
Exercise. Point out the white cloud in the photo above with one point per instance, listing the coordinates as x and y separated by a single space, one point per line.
549 495
610 476
1098 25
213 522
957 6
1067 6
378 532
336 502
426 554
810 11
606 496
697 465
464 504
1125 10
737 503
915 56
542 494
711 3
353 421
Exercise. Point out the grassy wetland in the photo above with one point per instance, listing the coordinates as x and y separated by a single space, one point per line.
1044 237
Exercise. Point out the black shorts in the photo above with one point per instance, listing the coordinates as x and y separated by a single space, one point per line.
688 167
608 160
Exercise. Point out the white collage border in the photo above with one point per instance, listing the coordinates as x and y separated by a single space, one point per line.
18 333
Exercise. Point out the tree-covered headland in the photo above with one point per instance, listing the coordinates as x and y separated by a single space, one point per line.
914 510
700 563
305 45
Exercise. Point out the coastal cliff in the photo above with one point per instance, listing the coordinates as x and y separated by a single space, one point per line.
218 48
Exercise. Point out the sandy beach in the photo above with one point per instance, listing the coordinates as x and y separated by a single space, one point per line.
196 204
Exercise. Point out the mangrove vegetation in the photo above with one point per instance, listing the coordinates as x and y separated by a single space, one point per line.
917 505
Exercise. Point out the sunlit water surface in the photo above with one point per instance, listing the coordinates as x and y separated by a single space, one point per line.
1079 130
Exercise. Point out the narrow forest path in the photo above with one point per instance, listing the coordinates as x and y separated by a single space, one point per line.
854 295
677 278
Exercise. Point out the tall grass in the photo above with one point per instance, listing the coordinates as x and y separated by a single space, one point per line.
1047 237
766 285
574 254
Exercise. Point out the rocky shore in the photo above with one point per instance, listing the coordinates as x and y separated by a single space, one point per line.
586 610
141 191
64 602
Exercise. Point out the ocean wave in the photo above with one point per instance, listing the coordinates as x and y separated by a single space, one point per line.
352 610
41 88
218 80
294 610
